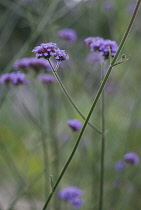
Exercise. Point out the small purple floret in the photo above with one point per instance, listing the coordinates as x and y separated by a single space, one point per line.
131 158
46 78
77 203
103 46
60 55
72 195
69 193
74 124
15 78
120 165
68 34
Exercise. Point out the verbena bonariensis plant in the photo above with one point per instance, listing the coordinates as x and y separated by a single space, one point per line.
112 64
47 50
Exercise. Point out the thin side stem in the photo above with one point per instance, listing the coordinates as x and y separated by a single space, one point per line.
94 103
70 99
102 143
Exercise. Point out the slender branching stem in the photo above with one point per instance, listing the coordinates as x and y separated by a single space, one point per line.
70 98
94 104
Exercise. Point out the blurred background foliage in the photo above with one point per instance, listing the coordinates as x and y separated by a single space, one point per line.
25 24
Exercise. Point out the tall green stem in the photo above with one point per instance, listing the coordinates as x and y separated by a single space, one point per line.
102 143
94 103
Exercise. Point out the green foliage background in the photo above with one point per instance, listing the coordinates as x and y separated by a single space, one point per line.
24 25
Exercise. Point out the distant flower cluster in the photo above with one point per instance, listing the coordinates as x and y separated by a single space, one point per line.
129 158
35 63
46 50
105 47
46 78
15 78
68 34
72 195
74 124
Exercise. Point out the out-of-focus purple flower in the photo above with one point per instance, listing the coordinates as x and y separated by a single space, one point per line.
120 165
103 46
46 78
60 55
45 50
69 193
74 124
77 202
72 195
94 57
68 34
130 8
35 63
131 158
108 5
16 78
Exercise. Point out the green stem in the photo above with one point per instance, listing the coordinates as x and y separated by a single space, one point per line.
94 104
102 143
70 99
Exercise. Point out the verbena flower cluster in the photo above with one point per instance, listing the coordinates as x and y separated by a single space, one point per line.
74 124
105 47
35 63
15 78
46 78
72 195
129 158
68 34
47 50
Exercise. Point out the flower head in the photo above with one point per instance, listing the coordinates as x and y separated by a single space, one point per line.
120 165
105 47
72 195
60 55
15 78
131 158
69 193
77 202
68 34
46 78
45 50
35 63
74 124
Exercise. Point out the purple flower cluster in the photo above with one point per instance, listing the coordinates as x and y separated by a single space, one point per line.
120 165
46 50
103 46
72 195
14 78
68 34
74 124
129 158
35 63
46 78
